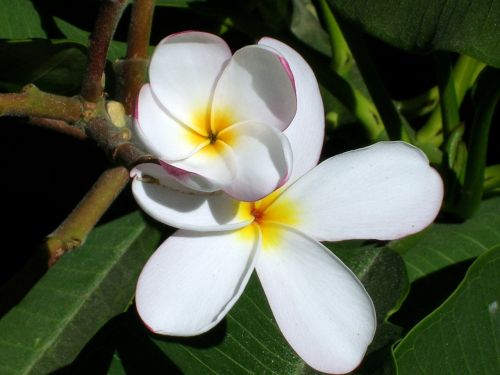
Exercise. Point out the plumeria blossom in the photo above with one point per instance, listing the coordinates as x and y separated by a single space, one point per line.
216 120
383 192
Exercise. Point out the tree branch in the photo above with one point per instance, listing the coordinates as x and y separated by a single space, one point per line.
35 103
109 14
74 230
133 68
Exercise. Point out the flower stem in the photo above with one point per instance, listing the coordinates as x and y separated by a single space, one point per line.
133 67
341 55
465 73
486 96
419 105
33 102
109 14
391 118
74 230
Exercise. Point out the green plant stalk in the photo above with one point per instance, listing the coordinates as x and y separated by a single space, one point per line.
446 85
358 104
135 65
487 96
74 230
465 73
419 105
110 12
391 118
36 103
341 55
491 178
59 126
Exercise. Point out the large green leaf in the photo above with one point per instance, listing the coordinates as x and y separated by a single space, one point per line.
116 49
55 67
177 3
19 19
469 27
248 339
462 336
442 245
85 289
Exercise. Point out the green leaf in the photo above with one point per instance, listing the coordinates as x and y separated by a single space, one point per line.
471 28
442 245
19 19
55 67
117 49
307 28
462 335
248 339
76 297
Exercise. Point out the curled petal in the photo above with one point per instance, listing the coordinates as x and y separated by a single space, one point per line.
160 133
384 191
165 199
209 169
255 86
320 306
263 158
306 132
193 279
183 72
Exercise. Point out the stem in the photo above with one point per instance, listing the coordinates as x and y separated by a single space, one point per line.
465 73
115 142
341 55
358 104
419 105
448 103
134 67
74 230
109 14
392 120
59 126
492 177
33 102
487 95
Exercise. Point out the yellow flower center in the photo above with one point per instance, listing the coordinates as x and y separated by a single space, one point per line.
266 213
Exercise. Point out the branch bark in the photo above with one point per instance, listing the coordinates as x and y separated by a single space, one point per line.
109 14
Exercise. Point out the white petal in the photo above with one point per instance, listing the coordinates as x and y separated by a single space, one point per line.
209 169
171 203
162 135
306 132
320 306
193 280
183 72
384 191
263 159
255 86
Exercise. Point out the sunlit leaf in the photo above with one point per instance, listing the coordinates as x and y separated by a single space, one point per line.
85 289
462 335
469 27
442 245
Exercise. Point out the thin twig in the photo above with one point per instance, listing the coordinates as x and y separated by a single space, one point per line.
109 14
74 230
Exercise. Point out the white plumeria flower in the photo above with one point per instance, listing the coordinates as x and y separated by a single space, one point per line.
215 120
383 192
